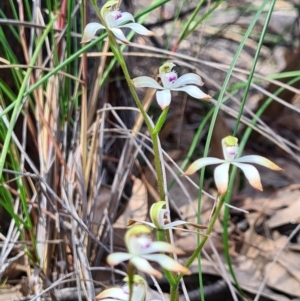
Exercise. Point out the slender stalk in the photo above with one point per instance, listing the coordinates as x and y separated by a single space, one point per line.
118 54
158 167
161 120
160 234
203 241
130 273
174 293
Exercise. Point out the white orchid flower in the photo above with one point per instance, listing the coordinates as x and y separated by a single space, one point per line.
230 150
122 294
141 248
114 20
171 82
160 217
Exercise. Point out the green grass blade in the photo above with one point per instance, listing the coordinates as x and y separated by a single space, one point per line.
21 95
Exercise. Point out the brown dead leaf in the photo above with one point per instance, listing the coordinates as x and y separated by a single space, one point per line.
285 216
281 280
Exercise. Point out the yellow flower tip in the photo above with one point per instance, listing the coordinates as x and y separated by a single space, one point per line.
191 170
150 34
110 260
185 271
273 166
230 141
137 279
108 6
137 230
157 274
100 296
166 67
256 184
125 42
178 251
206 97
222 190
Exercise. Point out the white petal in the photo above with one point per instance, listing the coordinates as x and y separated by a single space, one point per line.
168 263
193 91
144 266
163 98
133 221
146 82
188 79
116 258
138 28
139 292
221 177
175 224
119 35
109 299
196 165
251 173
90 31
258 160
161 246
125 17
115 292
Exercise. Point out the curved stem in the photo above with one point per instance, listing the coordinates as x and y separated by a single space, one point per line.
158 166
130 273
160 234
174 293
205 238
161 120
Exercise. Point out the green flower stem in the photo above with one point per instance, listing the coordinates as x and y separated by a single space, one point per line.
174 293
161 120
160 234
203 241
158 167
118 55
155 139
130 273
20 98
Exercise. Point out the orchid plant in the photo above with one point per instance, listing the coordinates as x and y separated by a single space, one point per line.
141 250
113 21
122 293
140 247
230 150
171 82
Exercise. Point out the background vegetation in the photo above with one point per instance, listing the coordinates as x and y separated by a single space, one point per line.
76 160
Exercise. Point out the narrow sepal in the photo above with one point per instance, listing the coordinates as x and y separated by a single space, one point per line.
188 79
163 98
168 263
90 31
251 173
194 92
196 165
146 82
259 160
138 28
221 177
